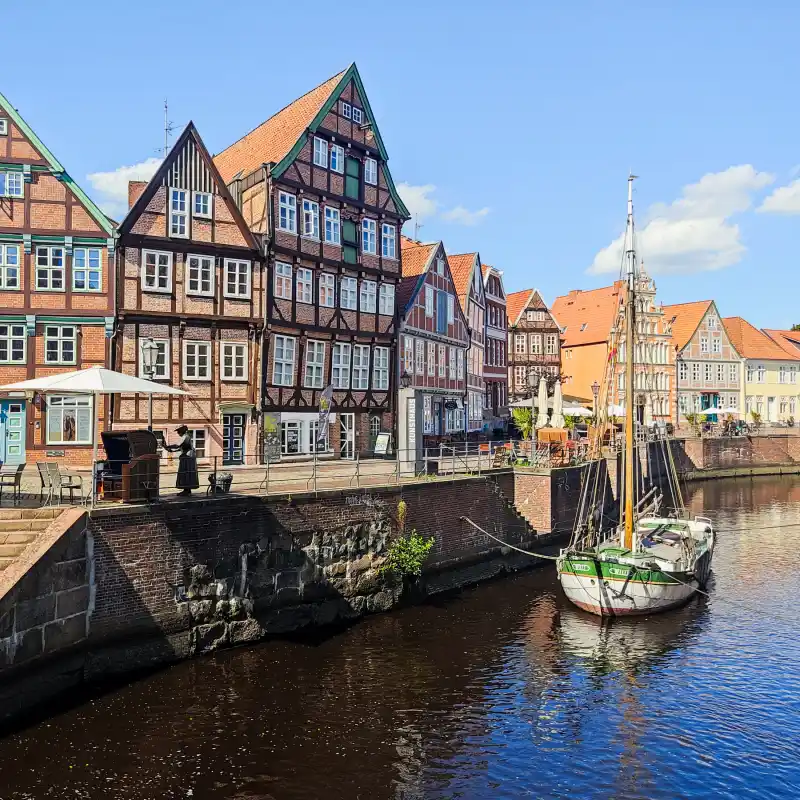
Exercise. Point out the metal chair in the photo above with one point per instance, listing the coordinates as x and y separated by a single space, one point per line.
64 480
12 480
47 484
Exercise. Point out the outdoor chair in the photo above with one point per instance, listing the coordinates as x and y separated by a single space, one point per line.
46 484
61 481
12 480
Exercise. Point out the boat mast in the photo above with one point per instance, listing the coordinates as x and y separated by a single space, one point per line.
630 254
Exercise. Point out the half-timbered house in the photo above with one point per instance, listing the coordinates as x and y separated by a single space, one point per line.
314 181
433 344
495 369
191 280
56 296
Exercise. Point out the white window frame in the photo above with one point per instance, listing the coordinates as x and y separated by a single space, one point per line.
360 379
163 366
340 365
198 348
386 299
419 360
179 216
60 403
10 333
88 254
304 285
348 293
442 361
283 366
209 198
368 295
283 279
314 373
704 344
520 344
287 212
55 333
550 344
347 110
3 127
310 219
51 271
157 254
380 369
10 268
388 241
333 226
451 309
408 354
431 359
327 289
337 158
452 365
428 301
358 115
716 344
371 171
369 234
205 268
683 371
236 268
460 364
233 351
733 373
320 157
18 184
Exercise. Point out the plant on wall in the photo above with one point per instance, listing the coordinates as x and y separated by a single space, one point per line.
406 555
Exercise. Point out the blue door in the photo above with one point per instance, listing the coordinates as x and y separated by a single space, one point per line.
12 431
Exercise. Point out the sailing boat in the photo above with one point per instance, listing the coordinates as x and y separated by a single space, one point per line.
647 562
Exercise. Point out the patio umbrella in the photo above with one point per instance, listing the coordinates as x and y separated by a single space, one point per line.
577 411
615 410
541 417
557 419
729 410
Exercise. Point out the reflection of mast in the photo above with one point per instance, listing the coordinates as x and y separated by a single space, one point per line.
630 253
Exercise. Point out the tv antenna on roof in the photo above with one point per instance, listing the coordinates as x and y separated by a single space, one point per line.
168 128
417 226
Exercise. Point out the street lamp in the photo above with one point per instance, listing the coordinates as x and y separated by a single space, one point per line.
149 363
595 393
405 380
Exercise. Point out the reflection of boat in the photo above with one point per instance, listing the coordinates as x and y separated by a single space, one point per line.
650 562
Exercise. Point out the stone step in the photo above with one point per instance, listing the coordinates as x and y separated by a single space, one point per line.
29 513
6 561
11 550
15 525
18 537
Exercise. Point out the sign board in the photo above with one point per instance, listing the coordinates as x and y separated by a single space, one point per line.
272 438
382 443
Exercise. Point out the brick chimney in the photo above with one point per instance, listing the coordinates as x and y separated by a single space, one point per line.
135 189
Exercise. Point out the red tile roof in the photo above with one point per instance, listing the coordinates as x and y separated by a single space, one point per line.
687 317
788 341
516 303
461 270
586 317
414 258
750 342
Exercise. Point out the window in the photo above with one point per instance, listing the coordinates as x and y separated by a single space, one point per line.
751 373
357 115
451 309
86 266
704 344
340 367
162 365
380 369
11 184
536 344
431 359
237 278
234 361
337 158
59 344
388 241
519 343
287 212
327 289
712 322
283 280
202 204
178 207
348 293
386 299
196 361
311 219
156 271
69 420
201 274
283 368
733 373
198 437
12 344
320 152
50 268
408 354
315 364
452 364
709 373
792 374
350 238
368 243
368 289
352 184
428 301
720 373
347 110
361 366
332 226
716 344
683 404
290 438
783 373
460 364
3 127
9 266
371 171
551 344
762 373
442 361
305 285
420 345
683 371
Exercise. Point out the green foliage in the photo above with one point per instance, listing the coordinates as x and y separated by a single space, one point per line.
756 418
569 422
407 554
795 328
401 513
523 419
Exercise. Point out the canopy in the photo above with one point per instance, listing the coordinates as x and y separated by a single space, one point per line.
728 410
94 380
577 411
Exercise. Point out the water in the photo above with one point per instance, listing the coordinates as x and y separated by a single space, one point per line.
502 692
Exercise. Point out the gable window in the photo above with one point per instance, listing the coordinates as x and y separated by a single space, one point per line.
428 301
348 293
59 344
420 357
161 362
357 115
352 176
368 234
3 127
237 278
9 266
431 358
305 285
716 344
234 361
283 280
347 110
178 207
340 366
371 171
361 366
380 369
386 299
86 267
337 158
13 340
439 265
712 322
408 354
287 212
315 364
50 268
11 184
368 296
196 361
704 344
451 309
311 219
333 233
201 274
327 289
388 241
201 206
69 420
156 271
283 367
452 364
320 152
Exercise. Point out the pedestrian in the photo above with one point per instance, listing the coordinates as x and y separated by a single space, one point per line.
187 462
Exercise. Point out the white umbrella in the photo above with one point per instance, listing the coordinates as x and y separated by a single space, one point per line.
557 419
541 417
577 411
729 410
616 410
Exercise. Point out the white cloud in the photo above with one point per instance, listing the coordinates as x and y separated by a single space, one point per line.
462 216
694 233
784 200
418 200
113 186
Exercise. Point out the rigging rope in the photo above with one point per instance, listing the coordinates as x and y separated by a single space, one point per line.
506 544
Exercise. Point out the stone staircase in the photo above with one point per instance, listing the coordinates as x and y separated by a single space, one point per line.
19 528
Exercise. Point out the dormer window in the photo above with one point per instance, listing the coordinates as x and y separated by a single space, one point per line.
3 127
178 206
202 205
583 327
347 110
357 115
440 266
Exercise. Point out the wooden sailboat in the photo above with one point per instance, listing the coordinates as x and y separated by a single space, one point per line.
645 563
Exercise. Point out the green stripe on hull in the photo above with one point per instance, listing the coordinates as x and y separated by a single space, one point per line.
622 573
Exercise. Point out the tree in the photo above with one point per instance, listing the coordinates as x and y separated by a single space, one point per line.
795 327
523 419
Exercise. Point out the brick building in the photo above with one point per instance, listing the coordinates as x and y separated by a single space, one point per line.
56 296
191 279
495 366
314 181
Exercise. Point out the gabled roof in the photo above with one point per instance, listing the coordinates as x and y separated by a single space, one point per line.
462 268
158 179
516 303
586 317
415 259
750 342
55 165
685 318
788 341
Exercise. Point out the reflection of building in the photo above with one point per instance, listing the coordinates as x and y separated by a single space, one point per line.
56 296
495 369
708 365
534 344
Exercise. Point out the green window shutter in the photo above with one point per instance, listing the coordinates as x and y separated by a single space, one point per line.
349 254
352 182
349 233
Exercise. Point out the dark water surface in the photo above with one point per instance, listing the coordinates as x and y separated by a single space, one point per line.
504 691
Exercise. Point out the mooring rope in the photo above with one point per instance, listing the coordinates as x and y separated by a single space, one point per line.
507 544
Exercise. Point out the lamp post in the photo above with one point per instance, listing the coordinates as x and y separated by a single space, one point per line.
405 380
149 363
595 393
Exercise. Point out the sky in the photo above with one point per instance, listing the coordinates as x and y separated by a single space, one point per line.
511 127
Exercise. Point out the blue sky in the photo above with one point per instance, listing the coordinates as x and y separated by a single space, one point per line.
511 125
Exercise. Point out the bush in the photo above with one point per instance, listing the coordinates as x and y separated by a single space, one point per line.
407 554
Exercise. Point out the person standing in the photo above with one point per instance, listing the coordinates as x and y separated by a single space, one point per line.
187 462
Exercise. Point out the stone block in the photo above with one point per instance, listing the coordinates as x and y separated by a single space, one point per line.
201 611
328 611
209 637
7 623
245 630
69 575
64 632
29 645
75 547
361 564
33 613
287 579
284 620
73 601
38 581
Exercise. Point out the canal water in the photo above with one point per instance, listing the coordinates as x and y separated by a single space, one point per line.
504 691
